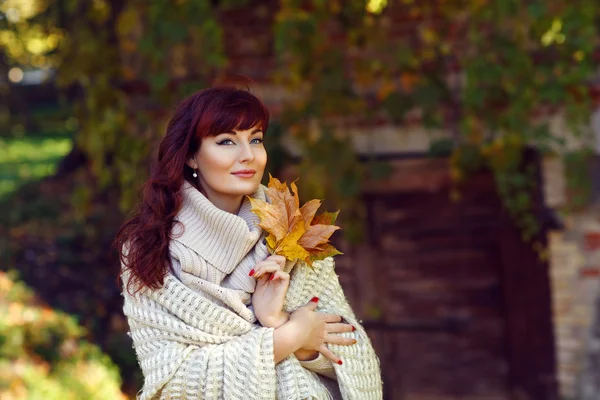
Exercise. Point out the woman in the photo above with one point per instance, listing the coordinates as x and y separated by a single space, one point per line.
211 314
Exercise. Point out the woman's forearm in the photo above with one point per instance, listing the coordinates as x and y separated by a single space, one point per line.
301 354
286 341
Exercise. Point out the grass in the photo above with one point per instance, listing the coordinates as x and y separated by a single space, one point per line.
26 159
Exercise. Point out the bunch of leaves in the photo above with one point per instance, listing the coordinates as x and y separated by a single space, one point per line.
43 353
295 232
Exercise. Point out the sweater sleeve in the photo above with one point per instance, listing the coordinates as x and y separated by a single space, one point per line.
320 365
359 377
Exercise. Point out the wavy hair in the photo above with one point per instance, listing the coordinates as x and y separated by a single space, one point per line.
143 240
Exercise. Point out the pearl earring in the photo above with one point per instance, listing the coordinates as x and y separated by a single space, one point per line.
195 175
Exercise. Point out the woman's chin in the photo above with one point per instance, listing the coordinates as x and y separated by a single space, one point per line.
244 189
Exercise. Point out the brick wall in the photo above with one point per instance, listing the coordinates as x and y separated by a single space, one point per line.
566 261
575 268
575 277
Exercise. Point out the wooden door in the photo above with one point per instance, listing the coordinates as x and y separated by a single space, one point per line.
457 306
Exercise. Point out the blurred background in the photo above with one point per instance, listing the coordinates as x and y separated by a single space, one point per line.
460 140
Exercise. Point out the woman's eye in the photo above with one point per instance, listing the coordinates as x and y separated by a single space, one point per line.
258 140
226 141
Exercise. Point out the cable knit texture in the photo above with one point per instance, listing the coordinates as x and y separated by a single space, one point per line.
197 337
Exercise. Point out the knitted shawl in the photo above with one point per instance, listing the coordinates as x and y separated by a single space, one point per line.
197 336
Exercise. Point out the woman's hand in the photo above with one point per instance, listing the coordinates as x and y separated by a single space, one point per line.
316 329
271 289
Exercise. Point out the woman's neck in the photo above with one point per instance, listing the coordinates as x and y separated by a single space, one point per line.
228 203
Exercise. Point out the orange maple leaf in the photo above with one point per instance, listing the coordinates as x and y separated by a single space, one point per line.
293 232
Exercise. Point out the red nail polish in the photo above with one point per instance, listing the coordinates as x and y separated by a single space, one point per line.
314 299
340 362
251 272
353 328
272 276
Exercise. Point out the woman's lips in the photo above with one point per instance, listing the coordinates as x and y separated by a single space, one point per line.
244 174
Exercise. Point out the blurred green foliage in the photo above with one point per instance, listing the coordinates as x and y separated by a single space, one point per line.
63 251
489 72
43 353
57 243
29 158
480 69
579 166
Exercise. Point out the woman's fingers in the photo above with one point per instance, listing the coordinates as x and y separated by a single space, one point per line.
339 328
280 275
329 354
340 340
263 268
331 317
312 305
280 260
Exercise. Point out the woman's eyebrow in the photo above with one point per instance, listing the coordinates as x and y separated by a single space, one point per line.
252 133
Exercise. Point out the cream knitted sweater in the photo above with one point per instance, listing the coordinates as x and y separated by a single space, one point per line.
197 337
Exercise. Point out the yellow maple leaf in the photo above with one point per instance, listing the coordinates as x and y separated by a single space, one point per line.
293 232
289 247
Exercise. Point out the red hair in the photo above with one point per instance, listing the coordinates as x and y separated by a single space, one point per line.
146 235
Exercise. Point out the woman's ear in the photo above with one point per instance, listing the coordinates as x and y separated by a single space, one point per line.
192 163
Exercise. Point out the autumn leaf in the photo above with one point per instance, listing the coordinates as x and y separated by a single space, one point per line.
308 211
294 232
327 218
290 247
328 251
316 235
272 219
281 198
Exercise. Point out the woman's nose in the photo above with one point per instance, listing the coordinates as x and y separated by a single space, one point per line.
247 154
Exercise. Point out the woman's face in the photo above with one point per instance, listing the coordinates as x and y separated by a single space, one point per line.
230 165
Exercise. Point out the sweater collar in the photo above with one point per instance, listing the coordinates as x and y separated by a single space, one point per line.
220 237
